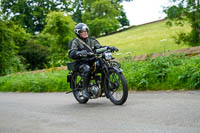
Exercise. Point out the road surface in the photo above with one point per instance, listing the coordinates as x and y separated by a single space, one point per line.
144 112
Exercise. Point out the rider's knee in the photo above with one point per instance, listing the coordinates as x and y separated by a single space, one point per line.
84 69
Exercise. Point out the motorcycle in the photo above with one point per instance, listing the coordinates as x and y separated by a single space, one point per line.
106 79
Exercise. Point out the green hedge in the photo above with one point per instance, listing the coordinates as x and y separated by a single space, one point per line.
162 73
54 81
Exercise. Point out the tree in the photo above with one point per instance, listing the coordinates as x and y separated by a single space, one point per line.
36 55
78 9
31 14
186 10
60 25
11 38
101 16
57 34
7 47
123 19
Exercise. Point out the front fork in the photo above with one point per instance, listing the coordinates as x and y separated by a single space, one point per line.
106 82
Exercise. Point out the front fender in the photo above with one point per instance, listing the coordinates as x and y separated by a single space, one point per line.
119 70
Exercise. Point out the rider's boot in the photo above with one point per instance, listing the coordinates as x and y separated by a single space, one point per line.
85 93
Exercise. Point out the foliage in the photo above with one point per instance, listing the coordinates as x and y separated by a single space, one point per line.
101 16
36 55
60 25
162 73
52 81
58 32
31 14
186 10
78 9
123 19
11 38
20 36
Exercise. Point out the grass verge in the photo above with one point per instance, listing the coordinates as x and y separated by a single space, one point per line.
162 73
54 81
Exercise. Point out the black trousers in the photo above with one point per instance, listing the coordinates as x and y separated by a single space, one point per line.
85 70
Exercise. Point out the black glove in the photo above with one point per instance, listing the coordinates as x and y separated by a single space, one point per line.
113 49
82 53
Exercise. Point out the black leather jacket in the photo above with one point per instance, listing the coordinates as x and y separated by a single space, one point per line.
77 44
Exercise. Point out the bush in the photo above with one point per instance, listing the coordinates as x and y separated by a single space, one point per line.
36 56
163 73
37 82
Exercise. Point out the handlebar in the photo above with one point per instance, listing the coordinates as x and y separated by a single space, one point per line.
101 50
90 54
98 52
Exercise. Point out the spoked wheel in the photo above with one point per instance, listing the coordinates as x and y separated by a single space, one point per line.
77 88
118 88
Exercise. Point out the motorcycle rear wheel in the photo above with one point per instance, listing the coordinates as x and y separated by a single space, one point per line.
77 88
118 88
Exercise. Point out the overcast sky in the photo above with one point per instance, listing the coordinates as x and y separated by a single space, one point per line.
143 11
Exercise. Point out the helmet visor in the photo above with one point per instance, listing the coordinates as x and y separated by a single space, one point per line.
81 31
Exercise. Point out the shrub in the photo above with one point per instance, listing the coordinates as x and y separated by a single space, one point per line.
36 55
54 81
173 72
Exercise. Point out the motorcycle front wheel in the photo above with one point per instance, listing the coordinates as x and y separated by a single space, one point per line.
117 87
77 88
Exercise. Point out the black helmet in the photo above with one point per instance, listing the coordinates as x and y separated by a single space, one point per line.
80 27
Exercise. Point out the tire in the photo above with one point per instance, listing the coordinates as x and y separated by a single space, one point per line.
117 85
77 88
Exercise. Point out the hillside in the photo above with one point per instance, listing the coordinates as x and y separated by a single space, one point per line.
145 39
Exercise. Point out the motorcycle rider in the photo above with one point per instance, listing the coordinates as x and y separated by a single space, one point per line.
80 47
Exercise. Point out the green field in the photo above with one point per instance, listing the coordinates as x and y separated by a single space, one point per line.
145 39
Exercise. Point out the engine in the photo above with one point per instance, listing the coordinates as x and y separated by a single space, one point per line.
95 90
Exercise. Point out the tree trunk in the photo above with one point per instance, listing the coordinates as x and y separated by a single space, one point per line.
198 29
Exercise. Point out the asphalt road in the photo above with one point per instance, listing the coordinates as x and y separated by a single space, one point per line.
144 112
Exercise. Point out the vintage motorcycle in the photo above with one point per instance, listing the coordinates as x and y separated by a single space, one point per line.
106 79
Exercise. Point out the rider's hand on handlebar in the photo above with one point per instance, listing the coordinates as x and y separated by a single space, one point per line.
82 53
113 49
